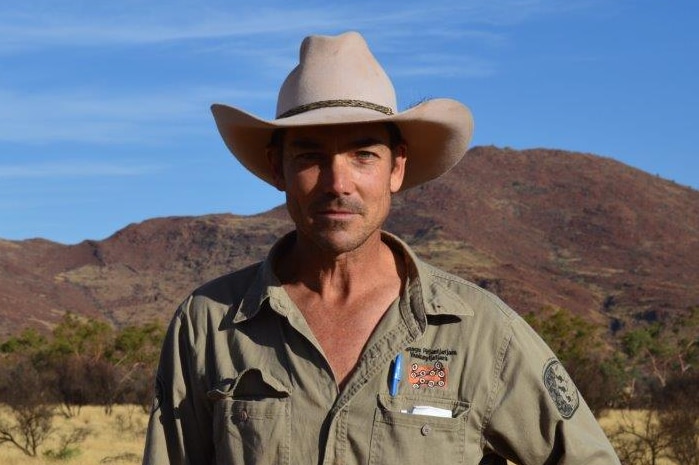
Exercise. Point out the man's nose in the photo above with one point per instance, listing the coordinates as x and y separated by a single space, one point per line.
337 175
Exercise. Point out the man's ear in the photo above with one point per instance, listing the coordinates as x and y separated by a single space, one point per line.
400 158
274 158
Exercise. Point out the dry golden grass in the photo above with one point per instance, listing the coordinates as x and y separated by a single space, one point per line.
116 439
611 418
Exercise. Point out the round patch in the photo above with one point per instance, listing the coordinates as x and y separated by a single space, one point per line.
561 388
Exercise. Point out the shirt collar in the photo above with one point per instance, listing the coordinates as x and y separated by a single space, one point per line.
428 295
429 285
266 286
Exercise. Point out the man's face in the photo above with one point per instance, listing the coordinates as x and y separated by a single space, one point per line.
338 182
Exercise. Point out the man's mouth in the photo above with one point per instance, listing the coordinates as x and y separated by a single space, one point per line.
339 209
337 214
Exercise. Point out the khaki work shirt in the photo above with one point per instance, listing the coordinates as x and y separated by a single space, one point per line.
243 380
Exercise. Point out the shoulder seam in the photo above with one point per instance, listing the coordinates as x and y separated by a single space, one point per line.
502 306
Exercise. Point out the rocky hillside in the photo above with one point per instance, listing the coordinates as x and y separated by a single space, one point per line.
538 227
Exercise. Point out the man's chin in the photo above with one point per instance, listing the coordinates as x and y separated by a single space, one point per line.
339 242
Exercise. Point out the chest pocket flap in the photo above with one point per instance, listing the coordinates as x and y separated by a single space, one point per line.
249 384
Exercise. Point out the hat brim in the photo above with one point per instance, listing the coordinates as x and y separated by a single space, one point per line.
437 133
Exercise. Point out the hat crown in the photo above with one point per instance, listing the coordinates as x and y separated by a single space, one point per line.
335 69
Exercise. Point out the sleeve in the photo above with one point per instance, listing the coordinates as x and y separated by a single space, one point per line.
537 414
179 430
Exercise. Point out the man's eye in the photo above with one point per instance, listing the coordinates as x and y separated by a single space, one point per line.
365 154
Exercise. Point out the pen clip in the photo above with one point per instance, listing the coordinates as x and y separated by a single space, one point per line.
396 375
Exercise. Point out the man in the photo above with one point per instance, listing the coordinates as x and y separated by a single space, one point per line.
342 347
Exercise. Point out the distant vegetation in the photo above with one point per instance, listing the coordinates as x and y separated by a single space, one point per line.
83 362
635 368
652 369
650 375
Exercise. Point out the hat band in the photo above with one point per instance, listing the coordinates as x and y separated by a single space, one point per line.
336 103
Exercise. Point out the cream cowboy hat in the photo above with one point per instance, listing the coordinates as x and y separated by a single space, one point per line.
338 81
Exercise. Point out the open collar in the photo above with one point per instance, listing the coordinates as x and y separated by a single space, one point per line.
427 287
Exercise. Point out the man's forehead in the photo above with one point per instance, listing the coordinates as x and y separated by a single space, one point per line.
339 132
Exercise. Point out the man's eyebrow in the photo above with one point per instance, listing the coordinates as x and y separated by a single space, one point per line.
366 142
304 144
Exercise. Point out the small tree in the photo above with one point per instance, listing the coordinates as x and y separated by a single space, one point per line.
678 415
29 428
29 341
139 344
596 370
80 336
665 349
72 373
68 444
640 439
136 353
24 389
668 426
682 427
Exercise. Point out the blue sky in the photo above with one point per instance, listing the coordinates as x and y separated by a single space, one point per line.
104 106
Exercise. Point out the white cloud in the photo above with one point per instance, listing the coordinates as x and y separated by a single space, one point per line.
74 169
21 30
26 25
109 117
444 65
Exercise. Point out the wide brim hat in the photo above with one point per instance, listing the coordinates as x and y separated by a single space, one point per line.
338 81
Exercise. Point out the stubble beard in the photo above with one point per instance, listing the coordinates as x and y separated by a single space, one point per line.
337 236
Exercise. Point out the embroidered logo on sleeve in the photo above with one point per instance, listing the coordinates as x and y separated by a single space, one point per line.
561 388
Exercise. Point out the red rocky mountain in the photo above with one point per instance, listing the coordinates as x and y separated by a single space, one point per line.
537 227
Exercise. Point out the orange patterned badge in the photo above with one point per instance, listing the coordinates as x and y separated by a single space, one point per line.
430 376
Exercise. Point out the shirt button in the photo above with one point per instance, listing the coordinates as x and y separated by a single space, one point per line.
242 417
426 430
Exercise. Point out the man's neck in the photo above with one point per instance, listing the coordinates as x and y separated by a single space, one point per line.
336 276
342 297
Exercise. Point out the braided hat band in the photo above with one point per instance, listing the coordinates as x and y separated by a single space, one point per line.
337 103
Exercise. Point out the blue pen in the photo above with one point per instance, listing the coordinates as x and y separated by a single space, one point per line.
395 375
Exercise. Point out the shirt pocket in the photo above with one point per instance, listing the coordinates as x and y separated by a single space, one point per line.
399 436
251 420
